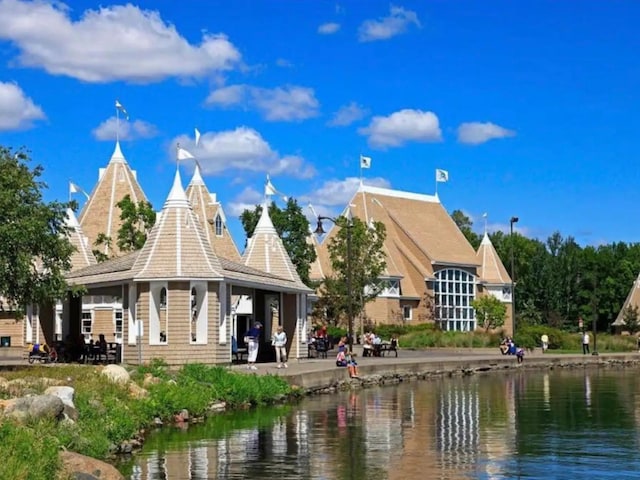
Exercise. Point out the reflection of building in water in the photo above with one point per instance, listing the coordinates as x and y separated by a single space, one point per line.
457 425
499 428
383 429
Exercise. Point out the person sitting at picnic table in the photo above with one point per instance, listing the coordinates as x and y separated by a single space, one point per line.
368 345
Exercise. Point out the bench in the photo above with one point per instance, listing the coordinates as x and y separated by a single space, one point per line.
318 348
383 348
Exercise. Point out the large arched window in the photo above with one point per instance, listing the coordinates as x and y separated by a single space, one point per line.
454 290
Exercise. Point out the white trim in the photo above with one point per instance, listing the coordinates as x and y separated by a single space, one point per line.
398 194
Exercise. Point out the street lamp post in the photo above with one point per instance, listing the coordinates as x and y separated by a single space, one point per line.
319 230
513 275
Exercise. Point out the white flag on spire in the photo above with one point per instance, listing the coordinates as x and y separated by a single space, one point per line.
197 137
269 189
74 188
442 175
184 154
365 162
121 109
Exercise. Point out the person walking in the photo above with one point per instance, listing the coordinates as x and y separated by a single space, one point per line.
585 342
252 339
279 342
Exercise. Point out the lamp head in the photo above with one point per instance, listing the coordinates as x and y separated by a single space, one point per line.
319 230
514 219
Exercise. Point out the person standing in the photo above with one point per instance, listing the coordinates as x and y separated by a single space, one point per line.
252 338
545 342
585 342
279 341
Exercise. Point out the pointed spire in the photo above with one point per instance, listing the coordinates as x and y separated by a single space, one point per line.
177 197
265 225
197 177
117 156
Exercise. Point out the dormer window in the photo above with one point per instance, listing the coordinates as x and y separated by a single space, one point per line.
218 225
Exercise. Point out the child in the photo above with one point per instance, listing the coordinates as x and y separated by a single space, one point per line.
520 354
352 365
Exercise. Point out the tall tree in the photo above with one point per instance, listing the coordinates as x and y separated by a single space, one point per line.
465 225
137 221
292 227
361 270
34 250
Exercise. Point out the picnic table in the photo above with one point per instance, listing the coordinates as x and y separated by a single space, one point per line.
381 349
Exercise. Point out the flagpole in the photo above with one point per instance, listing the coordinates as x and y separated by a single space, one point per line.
436 176
360 169
69 190
117 124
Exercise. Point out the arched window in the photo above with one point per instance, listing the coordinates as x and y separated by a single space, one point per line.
163 298
194 314
218 225
454 290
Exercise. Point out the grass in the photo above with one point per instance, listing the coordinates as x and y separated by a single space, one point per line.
108 413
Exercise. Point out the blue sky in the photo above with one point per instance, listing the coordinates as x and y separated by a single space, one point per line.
530 106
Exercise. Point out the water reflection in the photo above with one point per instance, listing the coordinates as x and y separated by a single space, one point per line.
514 425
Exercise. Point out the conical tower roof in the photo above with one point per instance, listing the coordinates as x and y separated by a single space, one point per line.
82 255
492 270
177 245
265 250
101 214
211 217
632 300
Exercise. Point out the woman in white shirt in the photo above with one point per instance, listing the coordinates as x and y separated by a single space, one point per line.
279 341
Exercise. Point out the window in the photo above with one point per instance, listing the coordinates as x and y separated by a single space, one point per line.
121 175
391 288
163 298
454 290
117 319
194 314
198 313
218 225
407 312
87 325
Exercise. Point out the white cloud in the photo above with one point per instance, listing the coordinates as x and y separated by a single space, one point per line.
289 103
396 23
401 127
475 133
243 149
119 42
348 114
17 111
128 130
328 28
333 196
246 200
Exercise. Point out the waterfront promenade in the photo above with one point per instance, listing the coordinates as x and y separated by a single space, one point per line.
317 374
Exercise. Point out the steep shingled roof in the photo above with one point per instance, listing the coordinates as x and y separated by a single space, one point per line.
177 246
206 207
420 235
82 255
492 271
632 300
265 250
101 214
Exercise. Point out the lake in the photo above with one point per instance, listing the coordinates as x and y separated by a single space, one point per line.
524 424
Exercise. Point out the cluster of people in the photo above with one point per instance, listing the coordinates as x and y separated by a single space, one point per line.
508 347
369 342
